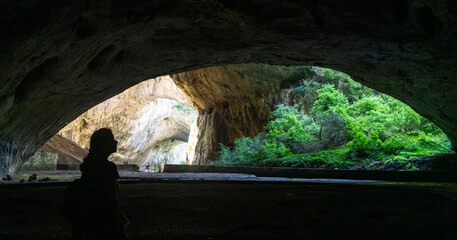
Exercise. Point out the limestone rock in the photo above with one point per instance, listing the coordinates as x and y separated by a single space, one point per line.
234 101
170 151
140 118
120 111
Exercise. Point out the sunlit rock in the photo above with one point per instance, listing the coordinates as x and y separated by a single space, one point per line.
170 151
142 121
161 120
192 142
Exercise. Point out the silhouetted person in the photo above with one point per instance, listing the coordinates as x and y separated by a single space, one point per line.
100 216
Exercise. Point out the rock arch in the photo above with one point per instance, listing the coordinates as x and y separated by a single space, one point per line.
62 55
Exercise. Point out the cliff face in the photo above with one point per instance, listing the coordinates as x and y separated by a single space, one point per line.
234 101
147 126
60 58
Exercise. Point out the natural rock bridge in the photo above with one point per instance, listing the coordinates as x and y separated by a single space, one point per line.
59 58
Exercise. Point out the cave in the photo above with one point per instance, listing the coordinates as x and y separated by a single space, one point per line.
61 58
151 121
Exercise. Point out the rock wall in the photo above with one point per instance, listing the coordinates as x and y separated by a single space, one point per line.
170 151
234 101
142 120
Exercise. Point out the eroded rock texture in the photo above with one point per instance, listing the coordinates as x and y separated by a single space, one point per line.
151 121
59 58
234 101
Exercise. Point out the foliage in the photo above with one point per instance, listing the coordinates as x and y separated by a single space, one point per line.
272 150
365 146
247 149
330 159
283 132
330 101
393 145
68 176
184 108
41 160
333 131
353 125
287 127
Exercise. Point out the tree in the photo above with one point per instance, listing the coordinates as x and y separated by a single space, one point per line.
329 102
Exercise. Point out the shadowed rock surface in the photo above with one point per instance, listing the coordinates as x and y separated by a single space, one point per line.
68 152
59 58
234 101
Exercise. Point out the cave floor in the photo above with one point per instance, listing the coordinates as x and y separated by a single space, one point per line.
267 209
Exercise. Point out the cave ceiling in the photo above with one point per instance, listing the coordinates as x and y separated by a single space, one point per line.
59 58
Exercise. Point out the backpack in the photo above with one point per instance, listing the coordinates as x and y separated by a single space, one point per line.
74 199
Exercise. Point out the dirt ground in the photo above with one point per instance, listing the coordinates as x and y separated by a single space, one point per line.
247 210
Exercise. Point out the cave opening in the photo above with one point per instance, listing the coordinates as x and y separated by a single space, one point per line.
322 118
253 115
59 58
153 121
86 53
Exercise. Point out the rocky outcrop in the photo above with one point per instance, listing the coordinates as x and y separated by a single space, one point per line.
58 59
170 151
234 101
144 119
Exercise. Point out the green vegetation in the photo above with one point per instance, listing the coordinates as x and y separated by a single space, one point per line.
349 127
184 108
41 160
55 176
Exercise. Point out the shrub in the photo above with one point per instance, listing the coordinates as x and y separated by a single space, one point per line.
333 131
364 146
311 127
41 160
225 156
393 145
329 102
287 127
272 150
247 150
